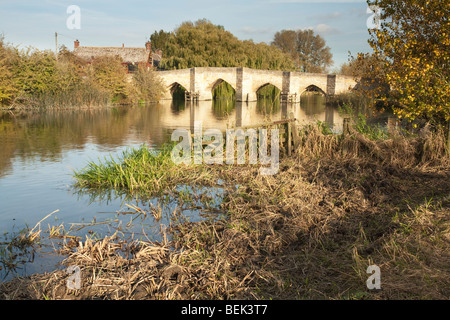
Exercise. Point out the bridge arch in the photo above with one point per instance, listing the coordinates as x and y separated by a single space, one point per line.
267 84
276 90
220 81
222 89
313 88
176 90
205 80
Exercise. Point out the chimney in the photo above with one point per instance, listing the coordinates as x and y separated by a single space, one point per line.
148 46
76 44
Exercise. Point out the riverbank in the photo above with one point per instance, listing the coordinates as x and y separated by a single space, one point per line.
338 205
34 79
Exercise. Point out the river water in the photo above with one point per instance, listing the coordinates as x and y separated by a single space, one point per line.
40 151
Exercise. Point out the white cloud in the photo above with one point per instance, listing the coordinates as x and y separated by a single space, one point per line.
323 29
330 16
251 30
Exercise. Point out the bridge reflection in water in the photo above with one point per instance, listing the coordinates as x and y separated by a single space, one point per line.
226 113
47 135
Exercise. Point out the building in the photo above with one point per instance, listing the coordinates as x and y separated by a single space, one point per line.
156 58
133 58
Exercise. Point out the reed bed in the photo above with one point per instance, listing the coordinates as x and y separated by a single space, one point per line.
139 170
81 96
337 205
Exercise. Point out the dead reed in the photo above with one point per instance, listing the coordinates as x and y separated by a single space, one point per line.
338 205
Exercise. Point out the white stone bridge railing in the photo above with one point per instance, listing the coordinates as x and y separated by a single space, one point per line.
202 81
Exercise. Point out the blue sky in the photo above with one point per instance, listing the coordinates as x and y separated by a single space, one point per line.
342 23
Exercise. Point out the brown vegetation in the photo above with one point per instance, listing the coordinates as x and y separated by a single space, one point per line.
31 79
307 49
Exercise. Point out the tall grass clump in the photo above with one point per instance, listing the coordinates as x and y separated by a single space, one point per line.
141 170
360 115
365 142
132 170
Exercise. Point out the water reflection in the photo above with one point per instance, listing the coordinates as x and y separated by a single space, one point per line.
222 108
40 150
45 136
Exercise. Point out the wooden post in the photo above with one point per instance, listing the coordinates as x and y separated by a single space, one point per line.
283 139
289 138
392 125
345 131
295 134
346 126
448 138
191 136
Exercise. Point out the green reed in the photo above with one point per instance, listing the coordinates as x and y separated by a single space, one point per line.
141 170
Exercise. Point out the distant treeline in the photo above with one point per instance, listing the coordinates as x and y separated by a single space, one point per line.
203 44
34 78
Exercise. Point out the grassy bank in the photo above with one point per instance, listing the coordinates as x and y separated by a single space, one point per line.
338 205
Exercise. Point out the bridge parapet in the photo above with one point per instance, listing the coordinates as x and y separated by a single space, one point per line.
247 81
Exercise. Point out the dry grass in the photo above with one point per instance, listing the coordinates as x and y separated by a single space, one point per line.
338 205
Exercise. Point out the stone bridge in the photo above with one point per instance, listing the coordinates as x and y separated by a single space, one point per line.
246 82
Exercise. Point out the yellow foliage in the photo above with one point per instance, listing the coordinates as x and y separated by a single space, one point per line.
413 44
8 87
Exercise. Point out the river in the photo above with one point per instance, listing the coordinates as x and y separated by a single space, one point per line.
40 151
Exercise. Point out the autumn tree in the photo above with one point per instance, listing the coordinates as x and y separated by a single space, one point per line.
78 66
362 65
35 71
413 42
308 50
8 86
107 73
286 40
368 70
38 78
147 86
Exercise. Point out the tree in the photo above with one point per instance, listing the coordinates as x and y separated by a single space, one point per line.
147 86
368 71
35 71
159 39
286 40
8 86
203 44
309 51
413 43
107 73
362 65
